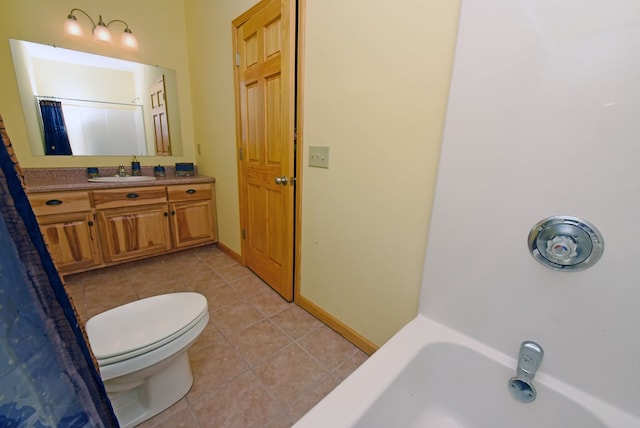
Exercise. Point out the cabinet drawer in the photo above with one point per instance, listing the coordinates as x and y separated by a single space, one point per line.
59 202
190 192
128 197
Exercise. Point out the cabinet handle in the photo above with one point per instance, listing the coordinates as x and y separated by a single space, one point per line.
173 213
166 214
90 223
132 195
53 202
190 191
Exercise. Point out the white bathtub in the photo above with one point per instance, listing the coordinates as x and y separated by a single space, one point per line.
428 375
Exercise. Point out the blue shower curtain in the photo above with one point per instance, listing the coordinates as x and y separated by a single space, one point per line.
48 377
56 139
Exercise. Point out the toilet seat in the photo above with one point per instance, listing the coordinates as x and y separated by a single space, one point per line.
144 325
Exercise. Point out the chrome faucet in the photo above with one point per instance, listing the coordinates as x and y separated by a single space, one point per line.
121 171
529 360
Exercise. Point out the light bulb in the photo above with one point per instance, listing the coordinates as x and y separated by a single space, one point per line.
72 27
129 41
102 34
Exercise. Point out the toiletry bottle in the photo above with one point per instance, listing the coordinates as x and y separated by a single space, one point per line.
158 171
92 172
135 167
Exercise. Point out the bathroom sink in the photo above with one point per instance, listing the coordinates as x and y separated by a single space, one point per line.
118 179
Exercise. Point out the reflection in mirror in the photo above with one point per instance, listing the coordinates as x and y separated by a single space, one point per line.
82 104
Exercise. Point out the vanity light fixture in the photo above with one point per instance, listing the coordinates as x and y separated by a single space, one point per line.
101 32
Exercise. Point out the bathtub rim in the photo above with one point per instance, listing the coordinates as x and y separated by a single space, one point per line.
339 409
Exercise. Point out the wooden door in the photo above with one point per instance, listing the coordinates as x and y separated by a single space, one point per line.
264 41
160 117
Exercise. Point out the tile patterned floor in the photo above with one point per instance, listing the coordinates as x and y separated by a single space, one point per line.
260 362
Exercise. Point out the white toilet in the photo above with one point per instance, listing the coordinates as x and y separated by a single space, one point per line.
141 348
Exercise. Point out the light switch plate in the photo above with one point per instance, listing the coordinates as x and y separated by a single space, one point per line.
319 156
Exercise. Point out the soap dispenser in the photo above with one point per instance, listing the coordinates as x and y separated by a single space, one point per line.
135 167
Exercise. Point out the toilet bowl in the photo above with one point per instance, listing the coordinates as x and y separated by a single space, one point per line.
141 349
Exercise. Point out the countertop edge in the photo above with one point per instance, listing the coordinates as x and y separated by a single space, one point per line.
41 187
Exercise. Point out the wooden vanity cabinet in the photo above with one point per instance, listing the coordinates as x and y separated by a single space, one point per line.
133 222
67 223
89 229
191 209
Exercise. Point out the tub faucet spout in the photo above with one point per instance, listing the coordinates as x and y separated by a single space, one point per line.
529 360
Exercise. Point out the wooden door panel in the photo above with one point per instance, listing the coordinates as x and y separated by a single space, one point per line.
272 37
251 50
266 208
266 253
253 125
275 210
257 203
275 152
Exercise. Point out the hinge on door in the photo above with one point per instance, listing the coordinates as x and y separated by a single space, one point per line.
244 234
240 153
237 59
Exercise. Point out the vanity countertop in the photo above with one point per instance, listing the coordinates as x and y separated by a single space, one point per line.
40 180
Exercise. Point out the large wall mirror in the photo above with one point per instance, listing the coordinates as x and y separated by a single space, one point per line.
82 104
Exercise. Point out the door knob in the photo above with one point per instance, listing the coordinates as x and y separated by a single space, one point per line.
281 180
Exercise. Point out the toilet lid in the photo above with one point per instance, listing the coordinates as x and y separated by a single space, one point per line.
144 324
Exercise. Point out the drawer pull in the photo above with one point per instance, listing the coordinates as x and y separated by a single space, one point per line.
190 191
132 195
53 202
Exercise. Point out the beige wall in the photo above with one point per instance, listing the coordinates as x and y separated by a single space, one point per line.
377 76
159 26
210 51
376 85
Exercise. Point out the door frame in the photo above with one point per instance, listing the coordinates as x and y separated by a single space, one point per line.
298 53
301 11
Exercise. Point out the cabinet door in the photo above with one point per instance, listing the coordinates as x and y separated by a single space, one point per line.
134 232
192 223
72 240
